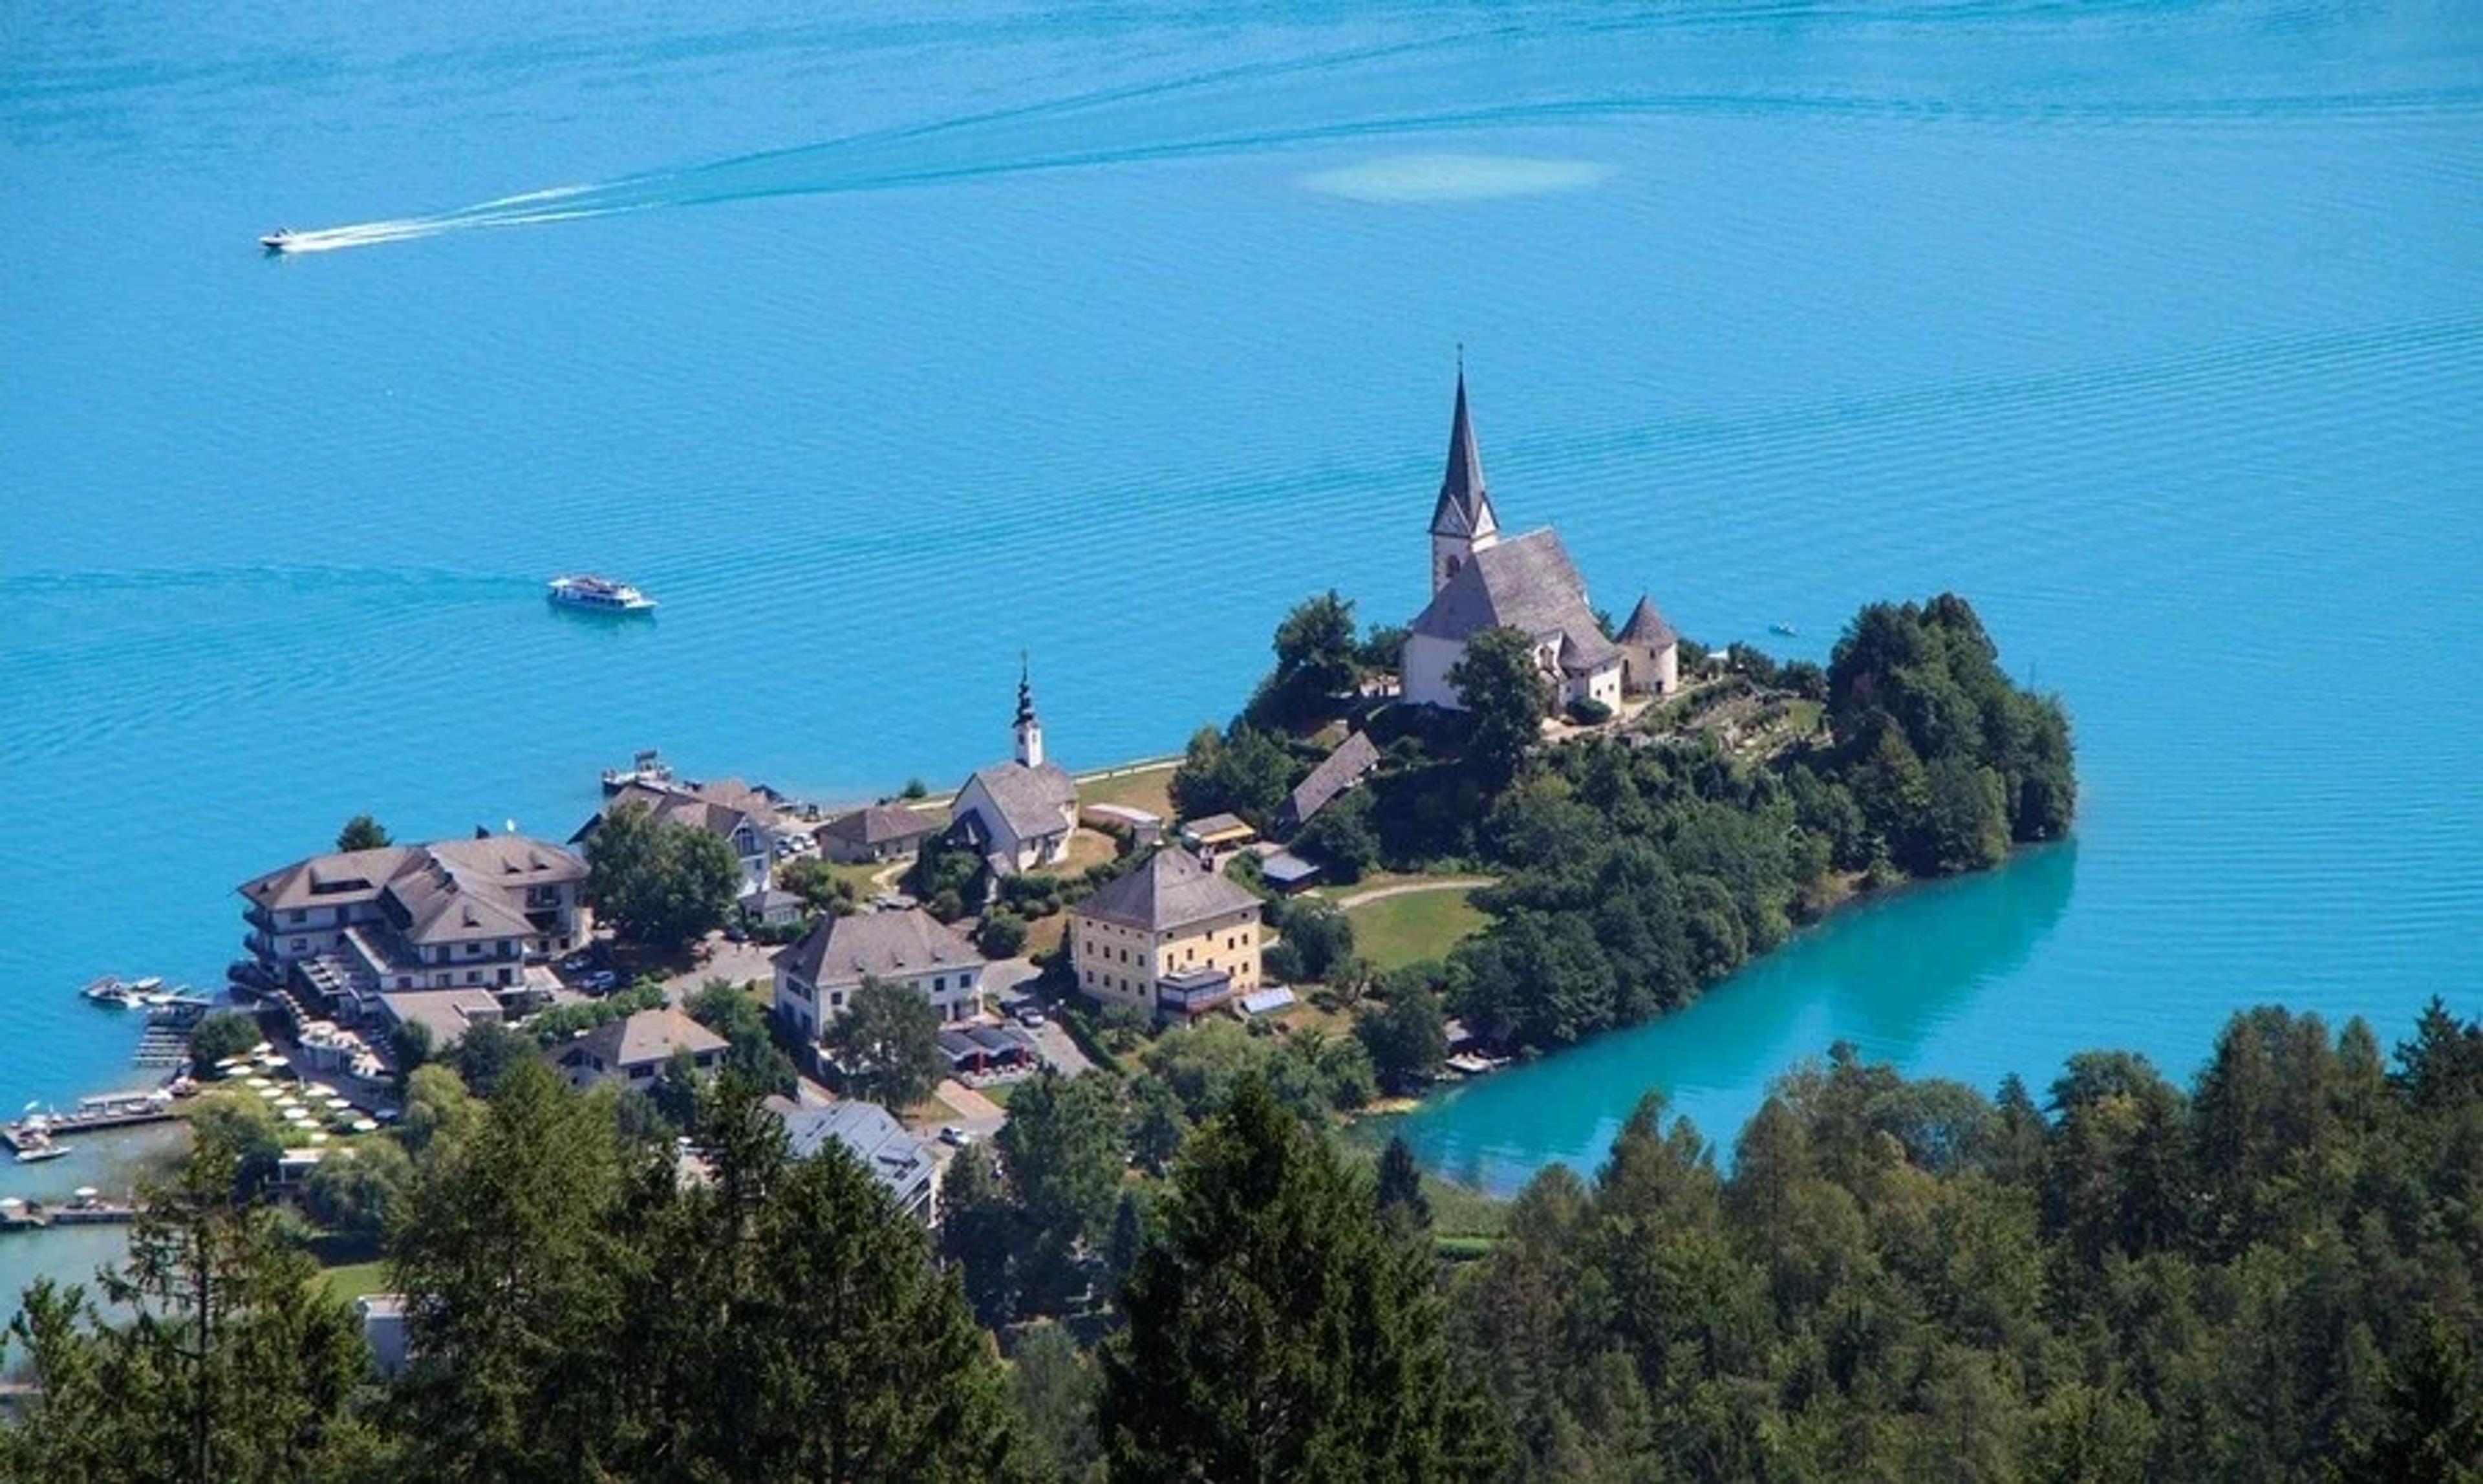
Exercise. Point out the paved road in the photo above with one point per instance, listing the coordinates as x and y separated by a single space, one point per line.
736 962
1409 887
1053 1045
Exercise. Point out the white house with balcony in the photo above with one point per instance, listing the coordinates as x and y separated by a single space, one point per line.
816 976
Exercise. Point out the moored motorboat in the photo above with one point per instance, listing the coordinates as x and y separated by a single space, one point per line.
36 1153
600 595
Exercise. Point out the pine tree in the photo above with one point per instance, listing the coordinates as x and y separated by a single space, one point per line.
1403 1205
1274 1332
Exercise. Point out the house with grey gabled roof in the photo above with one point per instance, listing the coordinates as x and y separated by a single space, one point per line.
633 1049
743 817
817 977
883 831
1018 814
1480 580
1171 937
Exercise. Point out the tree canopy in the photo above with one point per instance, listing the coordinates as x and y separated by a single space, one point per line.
887 1044
657 882
1274 1331
361 832
1505 696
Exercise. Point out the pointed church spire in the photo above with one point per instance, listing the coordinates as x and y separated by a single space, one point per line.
1465 508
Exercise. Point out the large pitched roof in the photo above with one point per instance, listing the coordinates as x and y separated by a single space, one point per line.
1037 801
645 1036
344 876
719 808
446 891
1527 583
1171 890
879 824
877 944
1464 507
1337 771
894 1158
1648 627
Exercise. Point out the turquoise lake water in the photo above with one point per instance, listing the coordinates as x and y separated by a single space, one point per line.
881 346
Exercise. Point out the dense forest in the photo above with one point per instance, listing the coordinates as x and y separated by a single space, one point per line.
2270 1275
1639 863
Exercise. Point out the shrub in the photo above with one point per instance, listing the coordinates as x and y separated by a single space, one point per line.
1588 711
1003 935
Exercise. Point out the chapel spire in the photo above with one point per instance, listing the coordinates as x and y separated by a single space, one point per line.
1462 521
1465 508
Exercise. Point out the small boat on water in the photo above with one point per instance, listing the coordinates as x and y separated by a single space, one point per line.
601 594
36 1153
280 240
1786 630
122 993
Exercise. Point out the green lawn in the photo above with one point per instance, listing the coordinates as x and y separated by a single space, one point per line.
1147 789
355 1279
1418 925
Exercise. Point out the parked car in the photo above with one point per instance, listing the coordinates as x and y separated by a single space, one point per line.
955 1137
601 979
1029 1017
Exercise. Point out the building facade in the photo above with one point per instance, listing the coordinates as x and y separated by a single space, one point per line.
816 976
1171 937
467 915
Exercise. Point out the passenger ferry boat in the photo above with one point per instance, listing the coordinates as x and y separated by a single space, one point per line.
601 594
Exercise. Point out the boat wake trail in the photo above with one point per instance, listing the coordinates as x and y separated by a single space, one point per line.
1501 78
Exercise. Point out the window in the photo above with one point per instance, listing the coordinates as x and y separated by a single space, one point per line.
1090 976
938 984
301 944
297 917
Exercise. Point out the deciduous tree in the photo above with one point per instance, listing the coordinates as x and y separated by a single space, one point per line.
887 1044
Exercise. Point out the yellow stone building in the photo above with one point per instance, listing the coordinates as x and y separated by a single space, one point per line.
1171 938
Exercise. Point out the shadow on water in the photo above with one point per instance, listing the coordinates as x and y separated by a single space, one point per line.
1882 975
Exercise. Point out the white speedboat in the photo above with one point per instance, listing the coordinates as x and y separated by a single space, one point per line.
36 1153
280 240
121 993
601 594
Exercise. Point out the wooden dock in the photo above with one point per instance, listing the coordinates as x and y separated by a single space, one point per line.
35 1132
35 1216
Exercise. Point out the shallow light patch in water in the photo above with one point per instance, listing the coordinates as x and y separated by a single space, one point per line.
1454 177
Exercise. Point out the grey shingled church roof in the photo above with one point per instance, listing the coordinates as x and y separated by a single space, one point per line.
1171 890
1032 799
1527 584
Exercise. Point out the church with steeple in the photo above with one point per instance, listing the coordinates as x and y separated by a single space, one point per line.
1018 814
1480 580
